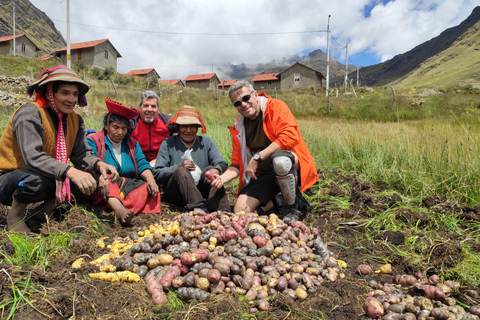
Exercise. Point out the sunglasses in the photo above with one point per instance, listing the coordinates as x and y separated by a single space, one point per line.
245 98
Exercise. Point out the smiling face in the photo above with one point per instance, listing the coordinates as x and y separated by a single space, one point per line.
66 97
187 132
116 131
250 108
149 109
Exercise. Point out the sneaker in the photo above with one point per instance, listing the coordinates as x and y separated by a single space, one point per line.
290 214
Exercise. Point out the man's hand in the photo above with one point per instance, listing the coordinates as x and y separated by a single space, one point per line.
106 169
83 180
103 188
251 169
189 164
215 180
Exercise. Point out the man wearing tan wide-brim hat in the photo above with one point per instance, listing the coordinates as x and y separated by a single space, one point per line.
185 161
39 139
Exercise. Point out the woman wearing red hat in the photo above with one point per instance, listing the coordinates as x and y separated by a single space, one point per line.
136 190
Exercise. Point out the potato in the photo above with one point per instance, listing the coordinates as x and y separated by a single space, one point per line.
263 305
301 294
213 275
373 308
364 269
251 294
202 283
160 260
222 268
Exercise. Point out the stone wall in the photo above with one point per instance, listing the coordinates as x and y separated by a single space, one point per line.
12 91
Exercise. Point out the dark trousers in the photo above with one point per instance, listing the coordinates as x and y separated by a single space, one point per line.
25 186
181 191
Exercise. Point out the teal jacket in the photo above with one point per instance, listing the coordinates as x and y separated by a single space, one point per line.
127 169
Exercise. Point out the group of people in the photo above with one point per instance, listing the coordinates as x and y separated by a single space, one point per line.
45 155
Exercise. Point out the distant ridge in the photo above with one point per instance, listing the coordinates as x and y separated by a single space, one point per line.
402 64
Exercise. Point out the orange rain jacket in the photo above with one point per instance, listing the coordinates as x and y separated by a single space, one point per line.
280 127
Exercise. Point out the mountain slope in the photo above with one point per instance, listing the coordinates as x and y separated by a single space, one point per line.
402 64
457 65
31 21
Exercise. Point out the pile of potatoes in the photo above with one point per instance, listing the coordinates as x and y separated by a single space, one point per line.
199 254
415 297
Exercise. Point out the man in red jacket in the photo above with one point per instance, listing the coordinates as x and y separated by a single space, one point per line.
150 128
269 155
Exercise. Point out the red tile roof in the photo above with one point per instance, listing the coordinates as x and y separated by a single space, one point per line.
227 83
173 81
8 38
265 77
86 44
195 77
140 72
82 45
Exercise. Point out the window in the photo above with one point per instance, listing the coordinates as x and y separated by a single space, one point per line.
269 82
106 54
296 77
23 47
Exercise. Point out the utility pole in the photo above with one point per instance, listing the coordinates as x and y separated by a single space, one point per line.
346 67
68 34
14 31
328 64
358 76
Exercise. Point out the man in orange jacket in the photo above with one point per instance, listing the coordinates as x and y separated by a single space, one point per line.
269 155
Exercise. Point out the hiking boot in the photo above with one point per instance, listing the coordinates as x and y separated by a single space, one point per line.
290 214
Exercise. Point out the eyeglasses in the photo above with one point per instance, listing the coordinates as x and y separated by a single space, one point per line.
245 98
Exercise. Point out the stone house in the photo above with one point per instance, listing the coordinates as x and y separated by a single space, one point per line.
266 81
24 47
145 73
296 76
202 81
177 82
94 54
225 84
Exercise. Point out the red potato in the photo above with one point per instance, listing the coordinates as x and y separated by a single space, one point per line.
433 293
213 276
172 272
198 255
226 235
209 176
155 289
364 269
373 308
259 241
239 229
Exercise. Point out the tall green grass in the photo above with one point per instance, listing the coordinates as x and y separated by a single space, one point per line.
416 149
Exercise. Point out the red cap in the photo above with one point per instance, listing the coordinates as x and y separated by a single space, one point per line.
120 109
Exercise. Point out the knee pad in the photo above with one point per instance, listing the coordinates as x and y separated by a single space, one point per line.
283 163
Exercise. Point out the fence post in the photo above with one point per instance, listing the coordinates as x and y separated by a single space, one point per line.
394 97
113 84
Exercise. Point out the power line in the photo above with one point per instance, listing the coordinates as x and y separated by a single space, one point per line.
195 34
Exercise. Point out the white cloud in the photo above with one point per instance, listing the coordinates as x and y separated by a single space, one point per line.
393 27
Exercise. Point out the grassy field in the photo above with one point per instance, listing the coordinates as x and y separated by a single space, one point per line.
416 149
422 146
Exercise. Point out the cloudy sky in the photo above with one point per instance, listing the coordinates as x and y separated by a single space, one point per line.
183 37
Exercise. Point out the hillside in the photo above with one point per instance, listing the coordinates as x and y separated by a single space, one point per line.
31 21
457 65
402 64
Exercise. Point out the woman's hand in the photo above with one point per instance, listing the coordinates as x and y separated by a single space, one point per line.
152 188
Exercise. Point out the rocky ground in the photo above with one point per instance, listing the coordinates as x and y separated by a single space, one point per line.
342 211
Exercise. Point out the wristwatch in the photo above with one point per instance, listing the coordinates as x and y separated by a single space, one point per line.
257 157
